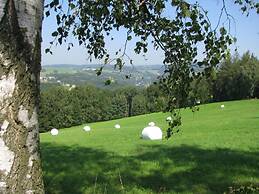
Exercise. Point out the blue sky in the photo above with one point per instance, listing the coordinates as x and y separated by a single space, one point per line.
246 29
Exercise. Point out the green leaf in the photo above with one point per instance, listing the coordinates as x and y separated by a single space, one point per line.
56 2
52 4
72 6
99 71
108 82
60 40
188 24
47 50
55 33
47 13
58 19
119 63
223 31
106 60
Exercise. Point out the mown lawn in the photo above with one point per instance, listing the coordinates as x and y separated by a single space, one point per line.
216 149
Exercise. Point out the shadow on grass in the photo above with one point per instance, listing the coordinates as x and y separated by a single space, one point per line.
155 169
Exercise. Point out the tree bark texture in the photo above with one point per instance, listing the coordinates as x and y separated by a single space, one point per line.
20 39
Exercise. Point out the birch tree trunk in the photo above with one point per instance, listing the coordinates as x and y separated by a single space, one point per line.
20 39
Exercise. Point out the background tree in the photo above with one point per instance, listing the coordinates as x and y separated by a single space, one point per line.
236 78
139 105
201 91
119 107
129 93
156 99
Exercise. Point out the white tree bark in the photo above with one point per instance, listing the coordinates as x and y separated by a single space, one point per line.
20 37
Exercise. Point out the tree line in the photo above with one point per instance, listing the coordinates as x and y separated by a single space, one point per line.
61 107
236 78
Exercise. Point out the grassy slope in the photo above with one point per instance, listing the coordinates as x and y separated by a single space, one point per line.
216 149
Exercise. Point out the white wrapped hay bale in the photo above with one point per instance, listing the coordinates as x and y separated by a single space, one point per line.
117 126
54 132
87 128
152 133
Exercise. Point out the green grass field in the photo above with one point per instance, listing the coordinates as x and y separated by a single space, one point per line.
215 150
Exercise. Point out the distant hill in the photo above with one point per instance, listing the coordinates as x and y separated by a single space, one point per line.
139 75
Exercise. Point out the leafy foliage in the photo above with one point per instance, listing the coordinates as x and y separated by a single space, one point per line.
247 5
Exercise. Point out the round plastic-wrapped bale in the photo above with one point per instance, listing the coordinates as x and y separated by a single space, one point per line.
54 132
117 126
152 133
87 128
